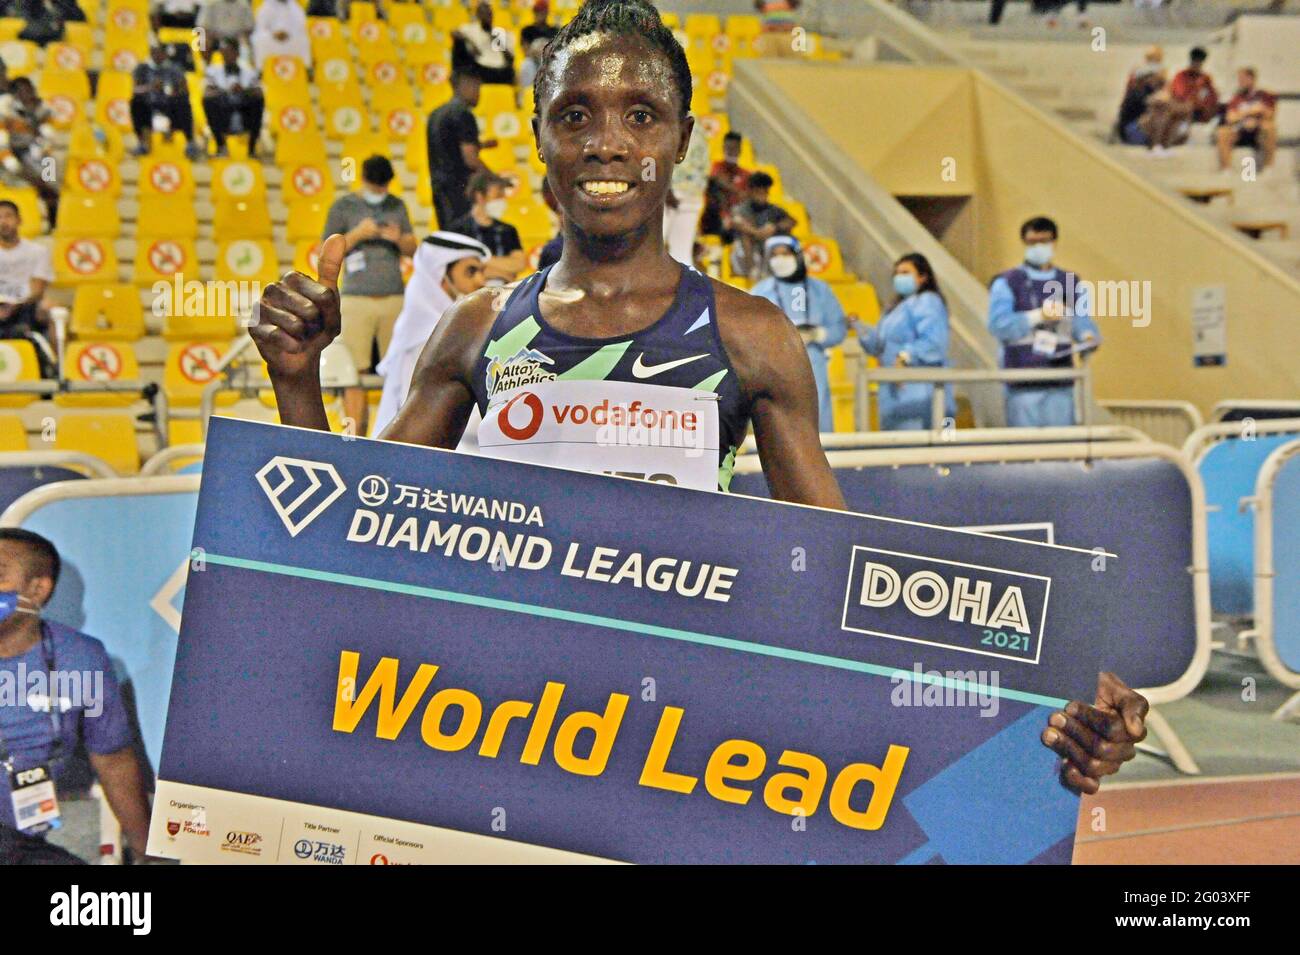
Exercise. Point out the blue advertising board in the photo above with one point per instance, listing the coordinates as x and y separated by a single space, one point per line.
391 653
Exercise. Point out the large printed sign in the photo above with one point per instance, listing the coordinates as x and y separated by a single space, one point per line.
394 654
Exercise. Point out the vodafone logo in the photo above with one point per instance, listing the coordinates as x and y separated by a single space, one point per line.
534 406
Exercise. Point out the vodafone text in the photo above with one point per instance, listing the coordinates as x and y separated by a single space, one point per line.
455 719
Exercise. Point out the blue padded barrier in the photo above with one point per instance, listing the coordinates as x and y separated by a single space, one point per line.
17 481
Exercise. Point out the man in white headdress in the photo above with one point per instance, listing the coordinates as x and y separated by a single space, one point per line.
447 266
281 30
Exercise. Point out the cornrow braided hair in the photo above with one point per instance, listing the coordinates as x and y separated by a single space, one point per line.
624 18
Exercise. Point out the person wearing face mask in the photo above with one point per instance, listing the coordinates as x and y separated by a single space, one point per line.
912 334
447 267
1041 315
483 223
58 693
813 308
378 232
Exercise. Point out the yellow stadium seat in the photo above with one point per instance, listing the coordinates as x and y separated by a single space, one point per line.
247 260
236 179
66 93
92 177
30 208
125 51
113 100
241 220
163 177
398 122
432 78
333 72
170 216
222 323
284 70
306 219
859 298
190 368
400 14
86 141
702 24
305 180
822 256
304 147
184 431
18 363
384 77
10 27
107 313
88 215
103 362
347 119
495 98
305 252
422 46
109 437
510 126
799 212
450 16
323 30
13 435
84 259
79 36
358 149
293 119
417 150
159 258
529 215
175 35
370 51
362 11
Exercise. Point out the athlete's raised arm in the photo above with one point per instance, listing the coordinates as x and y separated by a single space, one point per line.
297 317
777 384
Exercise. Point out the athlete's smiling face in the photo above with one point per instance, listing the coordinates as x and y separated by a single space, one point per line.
610 129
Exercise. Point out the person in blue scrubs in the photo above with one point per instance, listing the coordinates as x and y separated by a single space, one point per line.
912 334
811 305
1040 312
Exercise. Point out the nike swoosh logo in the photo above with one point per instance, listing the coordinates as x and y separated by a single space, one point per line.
641 370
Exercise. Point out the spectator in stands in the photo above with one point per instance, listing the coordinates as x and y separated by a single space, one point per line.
43 22
1189 98
231 93
912 334
25 152
480 46
447 266
160 100
1136 103
25 273
539 29
52 663
686 200
1248 121
483 224
280 30
224 20
1040 312
813 308
776 28
755 220
728 183
453 143
183 14
378 231
1153 62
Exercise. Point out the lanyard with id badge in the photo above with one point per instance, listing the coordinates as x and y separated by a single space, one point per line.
35 803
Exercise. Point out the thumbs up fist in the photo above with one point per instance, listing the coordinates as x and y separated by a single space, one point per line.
297 317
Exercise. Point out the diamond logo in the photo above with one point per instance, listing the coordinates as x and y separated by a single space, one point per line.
299 490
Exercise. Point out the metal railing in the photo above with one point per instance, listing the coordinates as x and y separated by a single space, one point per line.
1081 378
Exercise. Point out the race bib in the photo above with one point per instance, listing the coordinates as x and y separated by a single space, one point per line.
654 432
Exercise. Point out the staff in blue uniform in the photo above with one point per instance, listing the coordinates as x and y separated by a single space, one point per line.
1040 312
811 305
913 333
